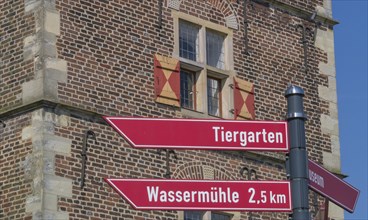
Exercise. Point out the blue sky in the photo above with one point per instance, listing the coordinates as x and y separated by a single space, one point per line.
351 72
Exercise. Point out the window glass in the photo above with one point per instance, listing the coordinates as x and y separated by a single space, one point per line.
187 89
215 49
213 96
218 216
193 215
188 40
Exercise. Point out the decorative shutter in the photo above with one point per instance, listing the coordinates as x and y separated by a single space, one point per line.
167 80
243 99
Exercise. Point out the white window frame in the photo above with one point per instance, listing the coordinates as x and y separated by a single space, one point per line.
203 70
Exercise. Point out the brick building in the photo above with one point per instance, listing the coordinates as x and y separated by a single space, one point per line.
65 63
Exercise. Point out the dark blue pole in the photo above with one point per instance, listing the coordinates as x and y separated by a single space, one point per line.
298 157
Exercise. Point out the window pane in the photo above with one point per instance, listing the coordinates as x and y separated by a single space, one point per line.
217 216
188 40
213 96
187 89
215 49
193 215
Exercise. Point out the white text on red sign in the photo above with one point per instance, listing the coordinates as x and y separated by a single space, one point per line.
202 133
204 195
242 138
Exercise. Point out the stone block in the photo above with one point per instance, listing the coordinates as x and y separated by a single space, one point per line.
32 91
54 215
231 22
50 117
37 115
48 162
335 145
27 133
329 125
327 94
52 22
59 145
174 4
325 40
331 162
32 5
52 143
327 69
29 41
333 110
324 11
49 50
50 201
58 185
50 88
332 82
33 203
334 211
208 172
31 47
56 69
64 120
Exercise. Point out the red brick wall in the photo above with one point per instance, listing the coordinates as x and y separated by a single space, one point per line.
15 25
15 184
309 6
109 48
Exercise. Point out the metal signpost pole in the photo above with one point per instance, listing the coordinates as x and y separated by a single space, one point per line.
298 158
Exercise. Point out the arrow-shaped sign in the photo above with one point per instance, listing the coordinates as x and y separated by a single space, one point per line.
327 184
202 133
150 194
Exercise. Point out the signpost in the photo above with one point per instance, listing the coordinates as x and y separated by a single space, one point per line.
298 157
202 134
332 187
168 194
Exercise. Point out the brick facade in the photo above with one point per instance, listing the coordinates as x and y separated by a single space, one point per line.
65 63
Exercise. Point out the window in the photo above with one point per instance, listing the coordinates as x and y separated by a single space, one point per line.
215 49
200 215
188 40
204 50
218 216
213 96
187 92
193 215
199 77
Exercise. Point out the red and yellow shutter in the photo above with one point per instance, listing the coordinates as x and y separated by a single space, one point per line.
167 80
243 99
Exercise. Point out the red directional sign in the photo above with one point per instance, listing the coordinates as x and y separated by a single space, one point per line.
202 134
334 188
162 194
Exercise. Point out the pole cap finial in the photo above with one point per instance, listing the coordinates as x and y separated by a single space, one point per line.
294 90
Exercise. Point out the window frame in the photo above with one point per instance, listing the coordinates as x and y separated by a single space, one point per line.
203 70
